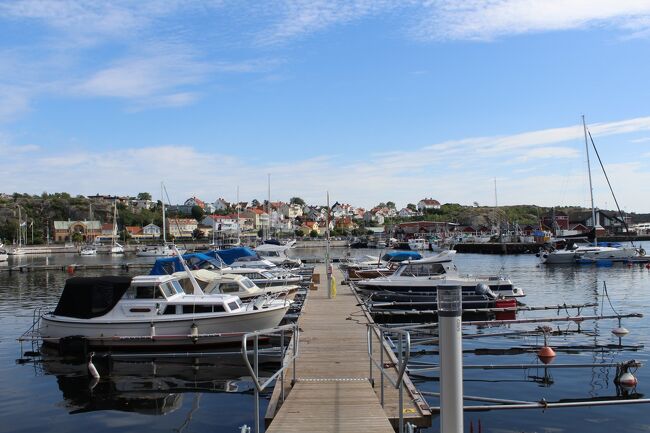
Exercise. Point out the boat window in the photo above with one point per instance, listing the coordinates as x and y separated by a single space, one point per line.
247 283
140 292
233 306
423 270
270 254
169 309
197 309
229 288
166 289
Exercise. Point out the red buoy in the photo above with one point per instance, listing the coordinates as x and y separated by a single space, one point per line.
627 379
546 355
70 269
647 266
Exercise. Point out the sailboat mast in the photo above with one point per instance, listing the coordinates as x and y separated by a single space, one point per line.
238 206
268 209
163 213
591 188
114 224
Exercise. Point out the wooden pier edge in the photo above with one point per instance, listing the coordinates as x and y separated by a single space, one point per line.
416 409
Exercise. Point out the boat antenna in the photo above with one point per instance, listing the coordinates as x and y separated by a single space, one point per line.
591 188
195 284
600 161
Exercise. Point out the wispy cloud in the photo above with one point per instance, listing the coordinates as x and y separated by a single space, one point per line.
298 18
489 19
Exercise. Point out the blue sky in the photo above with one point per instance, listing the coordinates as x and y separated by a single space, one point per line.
371 101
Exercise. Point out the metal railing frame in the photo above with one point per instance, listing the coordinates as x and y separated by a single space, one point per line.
254 369
404 351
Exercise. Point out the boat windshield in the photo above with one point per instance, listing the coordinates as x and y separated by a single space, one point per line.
247 283
423 269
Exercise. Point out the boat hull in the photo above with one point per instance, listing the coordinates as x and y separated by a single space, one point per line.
166 332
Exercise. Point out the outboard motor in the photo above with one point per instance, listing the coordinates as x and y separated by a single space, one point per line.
484 290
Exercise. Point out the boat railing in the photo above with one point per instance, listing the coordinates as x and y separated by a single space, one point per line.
403 347
253 369
278 331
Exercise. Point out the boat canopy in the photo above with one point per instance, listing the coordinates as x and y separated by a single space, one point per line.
399 256
87 297
231 255
169 265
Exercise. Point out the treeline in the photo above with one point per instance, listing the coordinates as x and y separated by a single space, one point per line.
38 212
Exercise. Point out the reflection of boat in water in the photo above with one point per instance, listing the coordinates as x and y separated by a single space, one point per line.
144 385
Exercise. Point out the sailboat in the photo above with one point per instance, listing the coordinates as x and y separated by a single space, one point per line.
590 253
115 247
166 249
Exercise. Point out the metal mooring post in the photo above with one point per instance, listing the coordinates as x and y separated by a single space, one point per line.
451 359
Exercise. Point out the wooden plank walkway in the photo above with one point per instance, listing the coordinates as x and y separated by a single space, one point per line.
332 392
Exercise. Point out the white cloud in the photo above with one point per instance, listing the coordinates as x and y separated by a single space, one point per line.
452 171
302 17
489 19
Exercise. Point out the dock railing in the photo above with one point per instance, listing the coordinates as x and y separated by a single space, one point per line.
403 354
278 331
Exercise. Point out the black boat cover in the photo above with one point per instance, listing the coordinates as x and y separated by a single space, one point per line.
87 297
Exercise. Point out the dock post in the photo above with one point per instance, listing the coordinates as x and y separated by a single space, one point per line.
451 359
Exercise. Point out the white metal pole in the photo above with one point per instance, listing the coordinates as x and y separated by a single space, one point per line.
327 250
451 359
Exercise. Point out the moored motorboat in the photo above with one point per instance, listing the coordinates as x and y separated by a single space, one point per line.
152 312
426 275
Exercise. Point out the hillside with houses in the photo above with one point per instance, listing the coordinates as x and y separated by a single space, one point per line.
61 217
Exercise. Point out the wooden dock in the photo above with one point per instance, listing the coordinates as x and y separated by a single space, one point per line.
333 392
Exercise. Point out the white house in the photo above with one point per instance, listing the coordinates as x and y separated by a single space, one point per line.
221 204
151 231
427 204
406 213
181 227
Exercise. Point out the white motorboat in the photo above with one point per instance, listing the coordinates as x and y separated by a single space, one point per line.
165 250
213 283
266 278
418 244
88 250
277 254
426 275
152 312
3 255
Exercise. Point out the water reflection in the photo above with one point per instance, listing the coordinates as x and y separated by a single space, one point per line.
146 385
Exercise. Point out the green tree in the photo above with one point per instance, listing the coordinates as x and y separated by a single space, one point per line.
299 233
411 206
313 234
144 196
77 237
297 200
255 203
197 212
390 204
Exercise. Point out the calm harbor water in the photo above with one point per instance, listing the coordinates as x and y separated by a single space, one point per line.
214 394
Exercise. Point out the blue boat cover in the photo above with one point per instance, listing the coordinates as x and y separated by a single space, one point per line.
399 256
610 244
169 265
230 255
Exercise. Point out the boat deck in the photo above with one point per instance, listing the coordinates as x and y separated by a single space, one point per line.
333 392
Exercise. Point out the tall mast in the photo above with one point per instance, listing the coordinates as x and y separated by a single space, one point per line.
496 205
238 230
114 224
591 188
268 208
162 196
327 249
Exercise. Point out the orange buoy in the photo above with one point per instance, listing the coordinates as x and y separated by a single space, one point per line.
70 269
647 266
546 355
